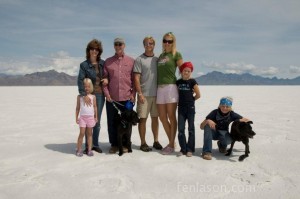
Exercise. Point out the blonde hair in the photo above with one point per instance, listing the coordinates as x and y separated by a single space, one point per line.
89 81
170 34
148 38
227 98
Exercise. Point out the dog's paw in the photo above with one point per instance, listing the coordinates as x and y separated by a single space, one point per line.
242 157
129 150
120 153
228 153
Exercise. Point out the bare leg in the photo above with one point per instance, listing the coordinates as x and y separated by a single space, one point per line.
142 130
171 110
89 138
80 138
154 126
162 112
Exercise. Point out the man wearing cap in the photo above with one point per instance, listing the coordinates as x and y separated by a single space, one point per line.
216 127
145 80
118 69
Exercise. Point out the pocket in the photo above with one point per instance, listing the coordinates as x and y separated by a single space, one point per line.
192 110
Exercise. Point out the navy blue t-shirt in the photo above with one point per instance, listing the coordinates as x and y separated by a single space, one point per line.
223 120
186 90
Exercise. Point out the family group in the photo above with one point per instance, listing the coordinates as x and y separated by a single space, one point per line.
152 82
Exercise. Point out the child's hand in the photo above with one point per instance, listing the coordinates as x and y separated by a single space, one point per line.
87 101
77 121
96 120
211 124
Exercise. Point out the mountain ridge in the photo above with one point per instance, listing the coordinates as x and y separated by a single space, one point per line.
54 78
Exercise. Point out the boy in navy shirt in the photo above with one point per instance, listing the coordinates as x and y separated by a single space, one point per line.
216 127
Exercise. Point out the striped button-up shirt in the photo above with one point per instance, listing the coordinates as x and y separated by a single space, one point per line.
119 71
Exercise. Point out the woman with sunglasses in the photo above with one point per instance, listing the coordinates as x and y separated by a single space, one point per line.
167 92
92 68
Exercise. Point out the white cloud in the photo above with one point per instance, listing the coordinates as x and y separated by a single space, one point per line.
269 71
60 61
240 68
294 69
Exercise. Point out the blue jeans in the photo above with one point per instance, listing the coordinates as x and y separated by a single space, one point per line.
210 135
100 100
112 127
186 113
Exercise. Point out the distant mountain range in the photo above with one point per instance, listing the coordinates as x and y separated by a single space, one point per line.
218 78
49 78
54 78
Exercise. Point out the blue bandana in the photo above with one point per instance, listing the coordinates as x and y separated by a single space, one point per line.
226 102
129 105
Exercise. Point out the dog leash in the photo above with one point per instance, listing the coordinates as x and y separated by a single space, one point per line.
113 102
123 122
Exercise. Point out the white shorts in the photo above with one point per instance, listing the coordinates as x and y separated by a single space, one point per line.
167 94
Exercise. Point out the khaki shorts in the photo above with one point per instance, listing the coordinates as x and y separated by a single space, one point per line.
149 106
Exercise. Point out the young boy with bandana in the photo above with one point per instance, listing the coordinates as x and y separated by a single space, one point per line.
216 126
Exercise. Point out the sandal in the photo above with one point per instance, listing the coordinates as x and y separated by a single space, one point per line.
157 146
145 148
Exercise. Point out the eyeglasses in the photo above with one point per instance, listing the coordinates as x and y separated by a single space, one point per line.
167 41
149 44
96 49
118 44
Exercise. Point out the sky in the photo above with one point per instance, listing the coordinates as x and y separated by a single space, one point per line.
260 37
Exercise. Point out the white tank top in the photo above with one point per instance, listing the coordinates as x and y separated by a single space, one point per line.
85 109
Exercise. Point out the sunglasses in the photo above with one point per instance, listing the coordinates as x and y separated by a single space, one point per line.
96 49
167 41
118 44
149 44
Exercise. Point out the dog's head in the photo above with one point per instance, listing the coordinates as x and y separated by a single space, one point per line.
130 116
246 129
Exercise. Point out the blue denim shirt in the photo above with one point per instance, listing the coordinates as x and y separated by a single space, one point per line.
87 70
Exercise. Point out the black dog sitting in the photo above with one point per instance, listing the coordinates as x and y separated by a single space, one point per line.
125 122
241 131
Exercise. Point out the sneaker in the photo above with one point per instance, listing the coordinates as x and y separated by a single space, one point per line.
97 149
90 153
157 146
179 154
189 154
113 149
167 150
206 156
221 150
79 153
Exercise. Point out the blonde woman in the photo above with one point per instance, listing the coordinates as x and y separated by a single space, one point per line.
167 92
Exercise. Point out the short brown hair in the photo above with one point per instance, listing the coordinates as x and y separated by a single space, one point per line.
94 44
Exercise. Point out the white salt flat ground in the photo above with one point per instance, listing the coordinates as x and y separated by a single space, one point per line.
38 137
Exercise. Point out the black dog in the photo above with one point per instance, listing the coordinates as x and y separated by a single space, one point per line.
241 131
125 122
